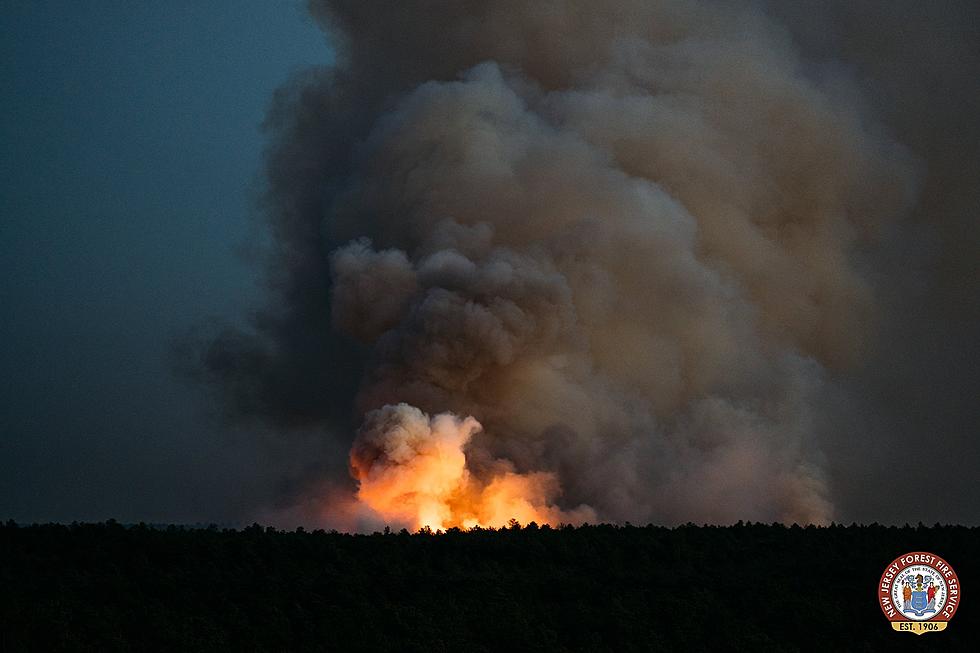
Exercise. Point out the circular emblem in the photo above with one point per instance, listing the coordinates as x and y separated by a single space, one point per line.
919 592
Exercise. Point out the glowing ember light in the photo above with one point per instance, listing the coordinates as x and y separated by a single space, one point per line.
412 470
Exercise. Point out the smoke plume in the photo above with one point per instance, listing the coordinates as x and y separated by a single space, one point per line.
623 256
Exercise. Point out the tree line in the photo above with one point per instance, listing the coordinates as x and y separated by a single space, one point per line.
112 587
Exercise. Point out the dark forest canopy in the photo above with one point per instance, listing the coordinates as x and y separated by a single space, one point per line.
109 587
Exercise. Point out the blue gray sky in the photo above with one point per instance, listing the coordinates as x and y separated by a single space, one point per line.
128 172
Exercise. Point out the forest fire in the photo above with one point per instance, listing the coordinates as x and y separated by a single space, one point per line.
413 471
638 244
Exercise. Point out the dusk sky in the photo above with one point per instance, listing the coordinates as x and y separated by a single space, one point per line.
131 152
346 264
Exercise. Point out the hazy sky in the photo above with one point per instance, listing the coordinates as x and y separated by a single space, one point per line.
131 147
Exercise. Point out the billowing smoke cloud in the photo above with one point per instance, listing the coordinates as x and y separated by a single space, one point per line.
633 243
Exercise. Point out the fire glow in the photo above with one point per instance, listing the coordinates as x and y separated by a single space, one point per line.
412 470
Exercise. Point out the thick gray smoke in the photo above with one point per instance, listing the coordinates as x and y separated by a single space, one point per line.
639 242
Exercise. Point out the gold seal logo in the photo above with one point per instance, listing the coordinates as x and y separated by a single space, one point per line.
919 593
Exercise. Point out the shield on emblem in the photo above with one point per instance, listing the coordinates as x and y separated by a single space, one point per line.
919 601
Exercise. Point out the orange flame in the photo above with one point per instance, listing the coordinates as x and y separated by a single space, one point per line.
412 470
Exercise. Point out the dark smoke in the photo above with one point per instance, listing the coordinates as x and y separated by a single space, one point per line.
701 261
